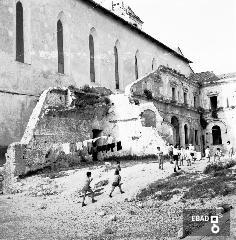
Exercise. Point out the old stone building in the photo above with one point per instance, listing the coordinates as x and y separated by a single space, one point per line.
61 43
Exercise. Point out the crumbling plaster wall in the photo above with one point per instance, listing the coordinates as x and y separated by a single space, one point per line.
159 83
225 90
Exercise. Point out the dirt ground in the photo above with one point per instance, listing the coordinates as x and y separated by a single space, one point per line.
49 206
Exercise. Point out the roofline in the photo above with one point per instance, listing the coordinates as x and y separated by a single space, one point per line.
116 17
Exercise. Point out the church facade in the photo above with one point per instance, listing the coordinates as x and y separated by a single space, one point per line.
61 43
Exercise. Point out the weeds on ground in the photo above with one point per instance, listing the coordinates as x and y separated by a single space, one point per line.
220 181
214 167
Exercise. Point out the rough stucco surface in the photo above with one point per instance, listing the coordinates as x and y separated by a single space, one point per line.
160 83
26 81
225 90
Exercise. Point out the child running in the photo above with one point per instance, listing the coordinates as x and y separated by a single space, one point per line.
87 188
116 183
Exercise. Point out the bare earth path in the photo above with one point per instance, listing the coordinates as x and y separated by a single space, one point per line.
62 217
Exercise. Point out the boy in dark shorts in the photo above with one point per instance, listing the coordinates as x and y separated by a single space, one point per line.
88 189
116 183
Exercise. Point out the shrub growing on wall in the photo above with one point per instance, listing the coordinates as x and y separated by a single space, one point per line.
148 94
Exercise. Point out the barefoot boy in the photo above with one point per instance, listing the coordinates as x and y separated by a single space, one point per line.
116 183
88 189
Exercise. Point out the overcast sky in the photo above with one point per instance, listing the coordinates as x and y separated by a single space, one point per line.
205 30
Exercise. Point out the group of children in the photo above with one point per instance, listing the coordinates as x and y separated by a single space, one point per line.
178 155
217 155
115 183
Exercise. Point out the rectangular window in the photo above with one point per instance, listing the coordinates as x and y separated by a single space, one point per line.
173 94
185 98
213 101
196 137
195 101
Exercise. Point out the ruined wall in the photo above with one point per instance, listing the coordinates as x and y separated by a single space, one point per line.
225 90
159 83
39 70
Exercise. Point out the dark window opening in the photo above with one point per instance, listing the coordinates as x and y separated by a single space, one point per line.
173 94
186 134
117 68
213 103
196 137
19 33
92 58
227 102
60 47
195 101
136 67
185 98
216 135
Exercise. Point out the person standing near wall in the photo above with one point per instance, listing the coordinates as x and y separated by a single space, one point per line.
160 158
207 154
176 154
170 152
230 150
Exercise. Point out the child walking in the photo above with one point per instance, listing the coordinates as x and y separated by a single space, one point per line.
88 189
116 183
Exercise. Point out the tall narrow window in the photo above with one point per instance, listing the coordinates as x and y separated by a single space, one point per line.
117 68
186 134
19 33
196 137
195 101
173 94
60 47
136 67
92 60
185 98
154 64
227 102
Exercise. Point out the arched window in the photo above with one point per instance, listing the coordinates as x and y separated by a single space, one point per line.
19 33
216 135
136 66
92 60
60 47
117 68
175 124
154 64
186 133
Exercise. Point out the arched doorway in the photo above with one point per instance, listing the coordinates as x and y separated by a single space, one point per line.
175 124
186 134
216 135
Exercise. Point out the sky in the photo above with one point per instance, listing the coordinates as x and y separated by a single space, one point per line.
205 30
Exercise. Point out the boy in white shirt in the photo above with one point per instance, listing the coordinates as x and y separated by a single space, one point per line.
188 157
207 154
